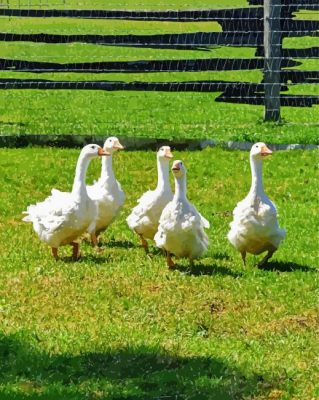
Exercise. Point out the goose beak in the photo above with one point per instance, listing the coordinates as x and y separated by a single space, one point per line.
176 167
101 152
265 151
168 154
117 145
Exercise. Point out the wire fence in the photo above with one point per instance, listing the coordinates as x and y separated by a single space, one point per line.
273 47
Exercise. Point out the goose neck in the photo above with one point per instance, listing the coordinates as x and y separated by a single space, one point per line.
257 187
107 173
79 187
163 175
180 188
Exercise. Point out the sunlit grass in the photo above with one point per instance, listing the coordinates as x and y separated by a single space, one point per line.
149 114
118 324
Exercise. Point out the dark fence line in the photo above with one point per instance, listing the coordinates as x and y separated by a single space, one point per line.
166 40
210 64
229 38
233 92
171 15
192 86
135 143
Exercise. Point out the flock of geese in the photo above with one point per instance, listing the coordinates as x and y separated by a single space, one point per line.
163 216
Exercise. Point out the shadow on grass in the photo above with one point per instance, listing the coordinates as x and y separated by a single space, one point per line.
283 266
123 244
130 373
206 269
99 258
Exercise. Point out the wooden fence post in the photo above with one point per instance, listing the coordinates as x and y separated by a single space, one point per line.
272 65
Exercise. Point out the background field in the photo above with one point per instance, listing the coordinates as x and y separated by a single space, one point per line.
119 325
143 114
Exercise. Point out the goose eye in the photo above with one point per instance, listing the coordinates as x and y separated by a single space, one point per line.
257 146
92 147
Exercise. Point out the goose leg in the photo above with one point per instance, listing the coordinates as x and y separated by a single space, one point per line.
55 252
243 256
94 240
144 243
170 262
76 251
191 262
264 261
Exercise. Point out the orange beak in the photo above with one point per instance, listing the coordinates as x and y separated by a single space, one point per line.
117 145
168 154
265 151
101 152
176 167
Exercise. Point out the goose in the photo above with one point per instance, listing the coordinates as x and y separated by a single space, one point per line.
181 227
107 191
62 217
255 227
145 216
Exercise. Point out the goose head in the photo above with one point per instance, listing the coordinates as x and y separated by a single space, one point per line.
112 144
164 153
178 169
93 150
259 151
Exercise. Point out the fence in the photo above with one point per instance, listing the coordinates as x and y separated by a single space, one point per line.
260 26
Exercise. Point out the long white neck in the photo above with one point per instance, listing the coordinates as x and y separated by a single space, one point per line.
79 187
107 174
163 175
257 188
180 188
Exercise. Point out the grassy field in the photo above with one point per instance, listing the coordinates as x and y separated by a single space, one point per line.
128 4
119 325
144 114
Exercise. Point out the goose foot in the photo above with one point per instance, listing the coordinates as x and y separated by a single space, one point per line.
169 261
264 261
144 244
55 252
76 251
243 256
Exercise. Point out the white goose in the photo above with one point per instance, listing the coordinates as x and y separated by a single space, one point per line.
62 217
181 227
107 191
145 216
255 228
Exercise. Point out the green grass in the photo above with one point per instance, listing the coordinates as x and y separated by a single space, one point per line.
119 325
149 114
131 4
69 26
81 52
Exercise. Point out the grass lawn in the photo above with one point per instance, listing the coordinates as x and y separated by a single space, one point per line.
129 4
149 114
119 325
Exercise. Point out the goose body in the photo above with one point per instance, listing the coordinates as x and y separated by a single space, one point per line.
144 218
107 191
255 228
181 227
63 216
